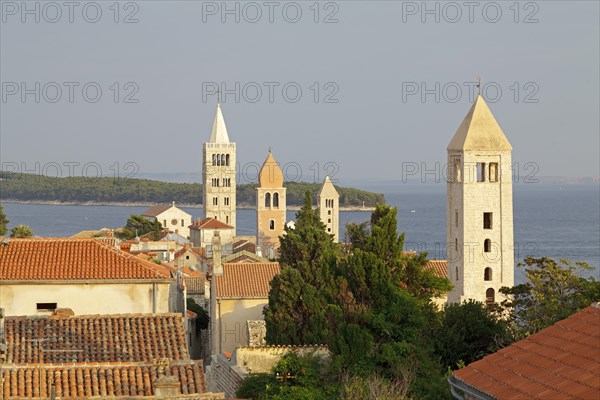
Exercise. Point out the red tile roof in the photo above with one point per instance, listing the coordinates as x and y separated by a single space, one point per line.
72 259
210 223
95 338
438 267
247 280
195 285
84 380
559 362
156 210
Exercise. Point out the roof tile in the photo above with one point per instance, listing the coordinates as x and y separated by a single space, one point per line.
246 280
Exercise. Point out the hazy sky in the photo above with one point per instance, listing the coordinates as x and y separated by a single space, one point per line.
362 68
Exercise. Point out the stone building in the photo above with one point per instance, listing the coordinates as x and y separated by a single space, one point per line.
218 174
88 276
270 207
479 208
328 200
170 217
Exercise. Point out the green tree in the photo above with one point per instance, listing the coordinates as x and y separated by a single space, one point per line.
553 291
467 332
3 222
299 295
21 231
138 225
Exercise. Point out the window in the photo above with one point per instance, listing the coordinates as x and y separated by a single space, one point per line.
182 223
276 200
164 223
215 201
329 220
218 160
457 171
456 269
187 257
487 220
493 172
45 306
328 212
226 200
268 200
480 172
456 244
328 229
487 245
456 218
490 297
227 160
227 219
214 159
272 225
487 274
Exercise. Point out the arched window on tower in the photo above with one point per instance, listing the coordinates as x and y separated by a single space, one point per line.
227 160
276 200
487 274
268 200
214 159
218 160
493 172
490 297
457 170
487 245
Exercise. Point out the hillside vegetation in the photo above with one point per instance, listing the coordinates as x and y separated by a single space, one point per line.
29 187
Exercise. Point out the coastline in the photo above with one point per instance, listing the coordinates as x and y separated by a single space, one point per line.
143 204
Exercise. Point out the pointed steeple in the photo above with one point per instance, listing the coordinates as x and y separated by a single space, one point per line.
327 189
479 131
270 175
219 130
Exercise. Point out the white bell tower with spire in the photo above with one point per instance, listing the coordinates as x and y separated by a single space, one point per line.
479 208
218 173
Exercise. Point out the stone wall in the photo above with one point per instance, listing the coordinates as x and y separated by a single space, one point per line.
262 359
223 376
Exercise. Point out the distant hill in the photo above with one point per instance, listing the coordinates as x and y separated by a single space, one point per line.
30 187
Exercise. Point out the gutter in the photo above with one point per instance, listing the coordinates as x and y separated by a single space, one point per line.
457 385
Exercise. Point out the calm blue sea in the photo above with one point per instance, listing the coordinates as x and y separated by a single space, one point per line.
549 220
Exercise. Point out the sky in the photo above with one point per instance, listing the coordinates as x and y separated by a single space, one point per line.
364 91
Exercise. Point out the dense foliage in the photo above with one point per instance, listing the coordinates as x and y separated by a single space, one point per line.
21 232
553 291
29 187
137 226
3 222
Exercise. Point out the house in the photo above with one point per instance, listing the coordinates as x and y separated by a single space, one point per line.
99 356
193 258
170 217
202 232
238 295
88 276
559 362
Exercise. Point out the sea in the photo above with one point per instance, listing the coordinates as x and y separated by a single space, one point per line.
559 222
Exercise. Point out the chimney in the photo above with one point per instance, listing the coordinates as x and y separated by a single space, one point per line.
216 254
166 386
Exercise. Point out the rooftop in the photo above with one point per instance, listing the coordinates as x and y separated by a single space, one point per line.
246 280
72 259
95 338
84 380
157 209
210 223
559 362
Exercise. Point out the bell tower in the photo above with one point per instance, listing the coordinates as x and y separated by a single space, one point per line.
270 208
328 200
218 173
479 208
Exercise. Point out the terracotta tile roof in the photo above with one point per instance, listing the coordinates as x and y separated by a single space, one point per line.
156 210
84 380
438 267
247 280
95 338
72 259
209 223
195 285
559 362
